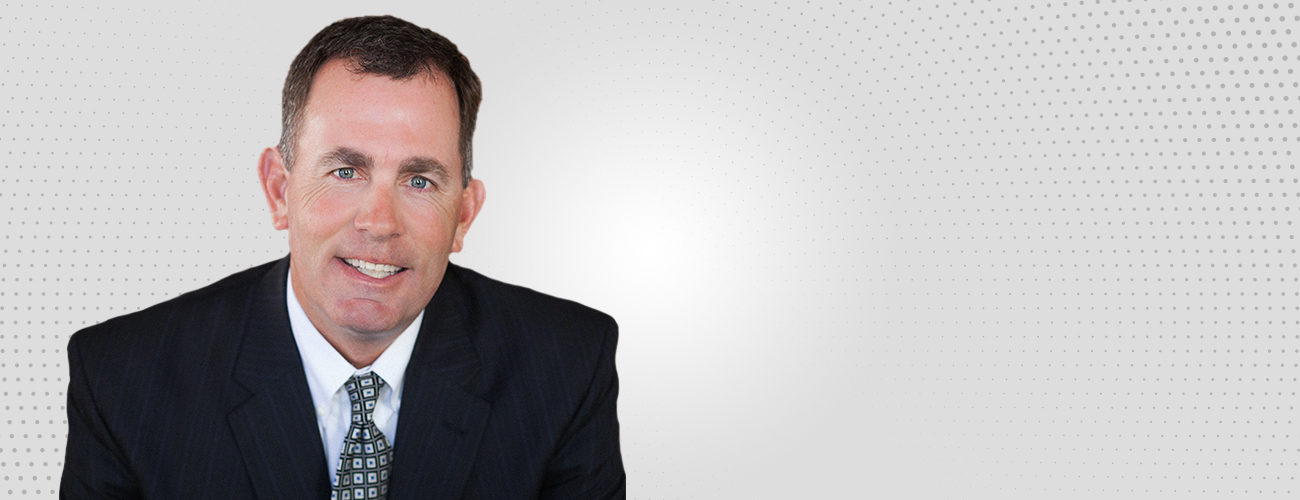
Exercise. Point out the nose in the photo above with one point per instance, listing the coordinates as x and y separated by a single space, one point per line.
378 214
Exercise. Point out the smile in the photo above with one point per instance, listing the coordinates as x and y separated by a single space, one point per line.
377 271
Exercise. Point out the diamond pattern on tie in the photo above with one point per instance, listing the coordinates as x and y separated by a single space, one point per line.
364 463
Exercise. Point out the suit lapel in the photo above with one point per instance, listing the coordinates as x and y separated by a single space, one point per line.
440 423
275 425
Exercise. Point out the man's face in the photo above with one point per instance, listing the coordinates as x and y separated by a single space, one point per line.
374 204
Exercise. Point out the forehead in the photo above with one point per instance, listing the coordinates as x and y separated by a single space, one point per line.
381 116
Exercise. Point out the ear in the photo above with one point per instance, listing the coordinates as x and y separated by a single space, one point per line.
275 184
471 201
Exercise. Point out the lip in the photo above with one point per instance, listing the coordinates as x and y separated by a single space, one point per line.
372 261
353 273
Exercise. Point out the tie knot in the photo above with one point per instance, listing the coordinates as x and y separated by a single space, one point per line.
363 391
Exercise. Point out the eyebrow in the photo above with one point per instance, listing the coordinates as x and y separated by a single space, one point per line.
414 165
425 166
346 156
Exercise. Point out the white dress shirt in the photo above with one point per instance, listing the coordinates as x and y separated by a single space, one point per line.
327 371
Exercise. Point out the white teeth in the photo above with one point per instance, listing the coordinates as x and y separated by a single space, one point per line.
373 270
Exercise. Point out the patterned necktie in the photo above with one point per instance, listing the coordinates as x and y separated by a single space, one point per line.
364 463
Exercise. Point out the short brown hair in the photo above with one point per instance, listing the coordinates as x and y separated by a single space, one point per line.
382 45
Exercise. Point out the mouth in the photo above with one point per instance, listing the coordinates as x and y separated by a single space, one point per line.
373 270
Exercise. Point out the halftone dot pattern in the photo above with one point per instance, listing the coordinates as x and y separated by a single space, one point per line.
1020 249
124 185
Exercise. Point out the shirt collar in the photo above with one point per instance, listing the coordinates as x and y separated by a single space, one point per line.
327 370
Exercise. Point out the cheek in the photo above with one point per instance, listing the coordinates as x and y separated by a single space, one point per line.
431 222
320 211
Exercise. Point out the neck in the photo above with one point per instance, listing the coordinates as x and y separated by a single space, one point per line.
361 350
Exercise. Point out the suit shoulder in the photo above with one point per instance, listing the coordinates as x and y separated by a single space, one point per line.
156 322
531 343
529 308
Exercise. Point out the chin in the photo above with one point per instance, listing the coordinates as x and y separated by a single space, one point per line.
367 316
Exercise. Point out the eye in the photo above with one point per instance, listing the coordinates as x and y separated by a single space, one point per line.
345 173
420 182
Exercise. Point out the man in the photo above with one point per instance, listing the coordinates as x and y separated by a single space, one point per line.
363 365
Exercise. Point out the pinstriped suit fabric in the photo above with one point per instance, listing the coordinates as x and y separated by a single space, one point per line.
510 394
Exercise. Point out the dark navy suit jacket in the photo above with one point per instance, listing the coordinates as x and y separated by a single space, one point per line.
509 394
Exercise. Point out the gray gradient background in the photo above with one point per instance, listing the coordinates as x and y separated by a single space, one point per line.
899 249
